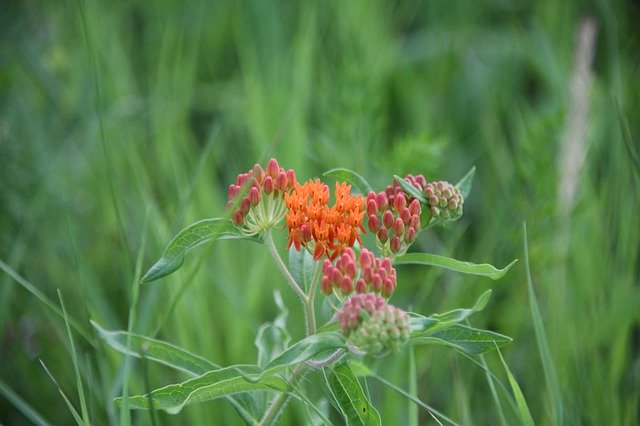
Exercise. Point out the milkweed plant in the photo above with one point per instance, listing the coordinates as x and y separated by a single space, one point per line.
327 258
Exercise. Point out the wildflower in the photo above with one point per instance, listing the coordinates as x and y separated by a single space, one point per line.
318 227
372 325
365 274
256 198
394 218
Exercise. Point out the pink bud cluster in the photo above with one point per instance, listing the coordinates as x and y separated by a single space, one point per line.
444 199
365 274
393 217
274 181
349 316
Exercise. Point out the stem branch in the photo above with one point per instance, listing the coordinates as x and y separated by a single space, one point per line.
283 269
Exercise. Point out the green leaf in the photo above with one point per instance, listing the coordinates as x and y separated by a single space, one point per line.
466 339
348 393
308 348
193 236
211 385
410 189
302 266
437 322
464 185
482 269
155 350
523 408
351 177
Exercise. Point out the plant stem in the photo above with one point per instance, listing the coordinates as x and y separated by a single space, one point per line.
309 303
274 410
283 269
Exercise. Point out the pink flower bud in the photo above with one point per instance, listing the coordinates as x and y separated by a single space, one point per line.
395 244
366 258
410 236
387 219
326 286
326 267
398 227
382 201
233 191
238 217
361 286
242 179
387 288
254 196
291 179
336 276
267 185
349 252
373 223
415 222
399 202
383 235
305 233
405 216
367 274
376 282
273 169
245 205
350 270
346 285
281 181
372 207
414 207
386 265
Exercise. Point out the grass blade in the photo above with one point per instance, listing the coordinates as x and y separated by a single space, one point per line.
76 369
21 405
523 408
550 373
73 411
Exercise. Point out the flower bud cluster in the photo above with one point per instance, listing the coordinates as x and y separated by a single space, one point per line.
372 325
365 274
444 199
393 218
256 197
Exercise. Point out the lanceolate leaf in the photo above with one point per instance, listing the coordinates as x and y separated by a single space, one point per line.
211 385
350 397
192 236
437 322
466 339
155 350
483 269
351 177
465 183
410 189
237 379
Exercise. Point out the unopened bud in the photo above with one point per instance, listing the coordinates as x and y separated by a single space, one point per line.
395 244
383 235
267 185
398 227
387 219
373 223
273 169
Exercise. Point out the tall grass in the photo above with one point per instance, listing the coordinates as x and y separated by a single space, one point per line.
117 114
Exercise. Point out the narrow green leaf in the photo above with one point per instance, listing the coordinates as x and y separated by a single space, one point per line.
523 408
70 406
76 368
464 185
351 177
469 340
214 384
21 405
302 266
550 372
437 322
155 350
483 269
193 236
348 393
410 189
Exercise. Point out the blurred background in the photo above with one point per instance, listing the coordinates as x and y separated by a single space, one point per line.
121 122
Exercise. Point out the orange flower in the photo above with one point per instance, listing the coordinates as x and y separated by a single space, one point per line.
318 227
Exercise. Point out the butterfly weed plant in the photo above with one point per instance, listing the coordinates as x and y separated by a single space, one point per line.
327 259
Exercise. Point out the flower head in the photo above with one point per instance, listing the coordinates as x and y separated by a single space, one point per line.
372 325
318 227
444 200
256 198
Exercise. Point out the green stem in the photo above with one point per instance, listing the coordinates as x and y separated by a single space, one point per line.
309 304
268 238
274 410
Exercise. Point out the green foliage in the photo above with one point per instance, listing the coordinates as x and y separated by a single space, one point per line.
353 403
430 259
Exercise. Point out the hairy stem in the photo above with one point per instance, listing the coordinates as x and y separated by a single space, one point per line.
271 415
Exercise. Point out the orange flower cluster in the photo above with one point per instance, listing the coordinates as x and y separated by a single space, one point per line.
320 228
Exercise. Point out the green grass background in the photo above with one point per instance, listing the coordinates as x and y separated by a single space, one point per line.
123 121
